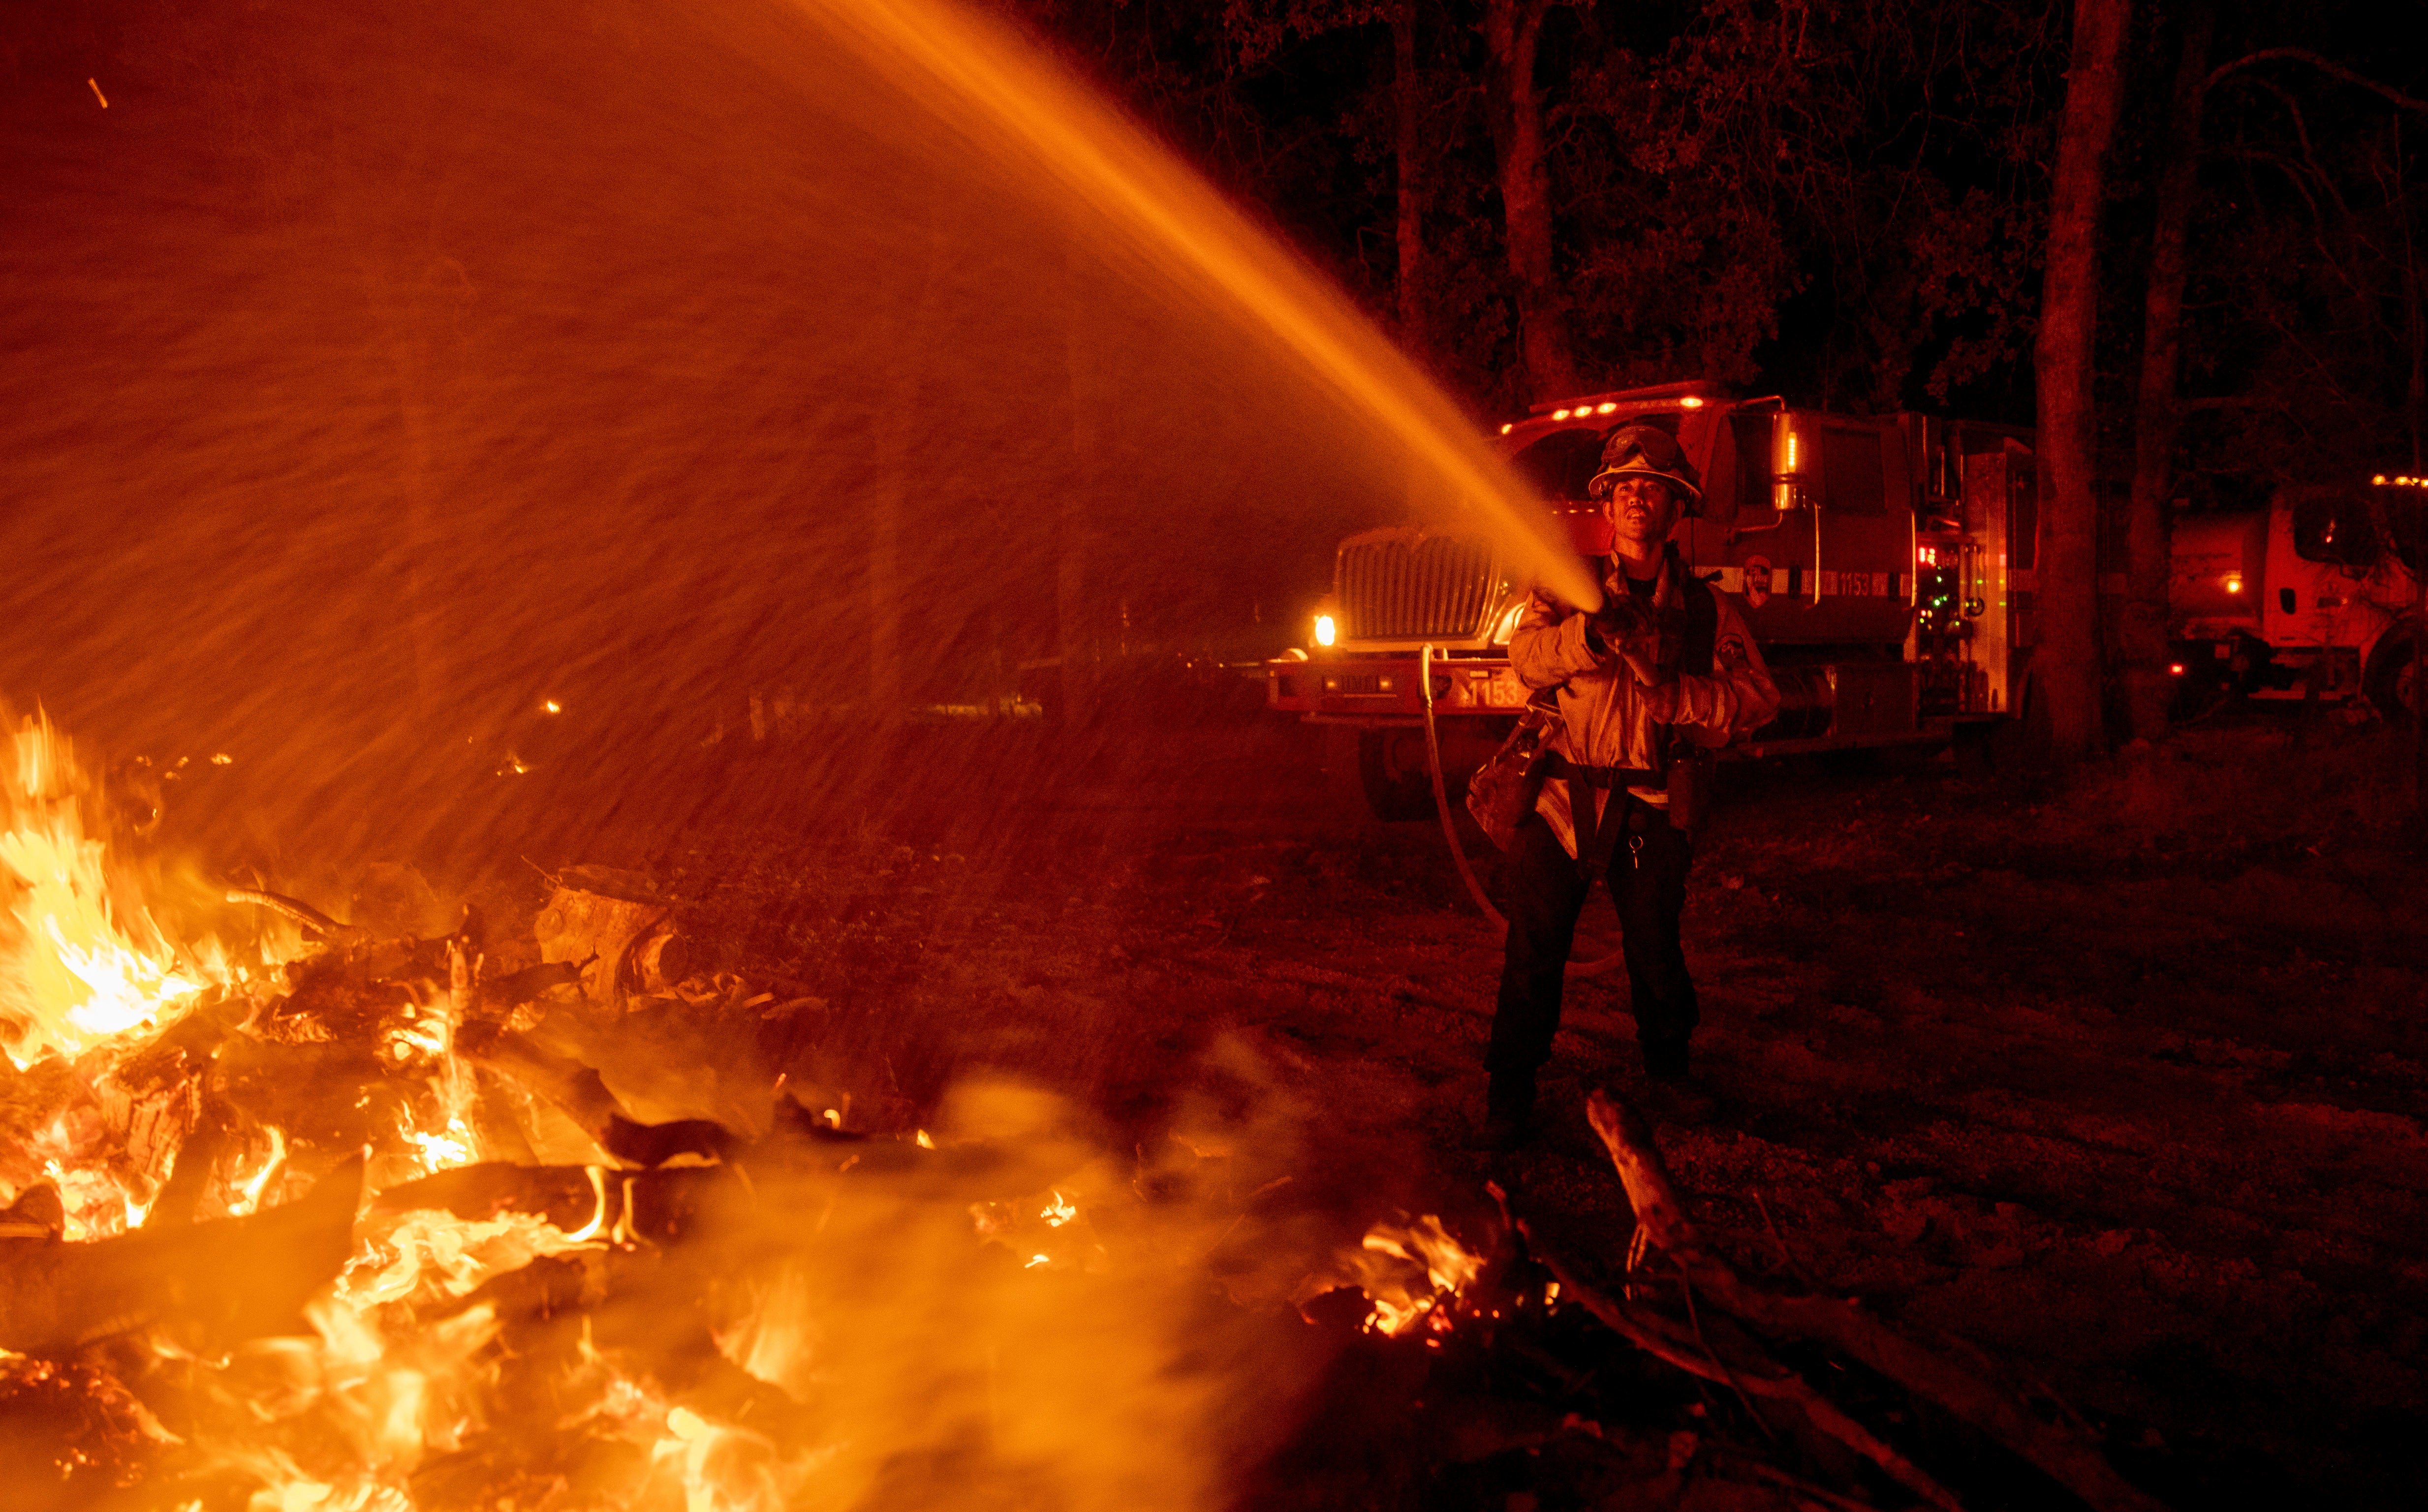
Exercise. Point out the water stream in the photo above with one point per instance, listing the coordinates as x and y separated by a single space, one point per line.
377 378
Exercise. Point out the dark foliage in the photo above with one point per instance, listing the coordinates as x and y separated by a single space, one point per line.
1844 200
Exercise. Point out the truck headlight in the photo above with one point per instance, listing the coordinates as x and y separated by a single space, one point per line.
1325 631
1507 625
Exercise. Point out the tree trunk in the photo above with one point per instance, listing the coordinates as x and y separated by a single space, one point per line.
2157 418
2067 664
1407 151
893 435
1511 30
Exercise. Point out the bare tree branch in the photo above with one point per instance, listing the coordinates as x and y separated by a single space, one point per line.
2324 65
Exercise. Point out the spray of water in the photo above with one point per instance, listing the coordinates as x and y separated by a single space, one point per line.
377 379
1007 104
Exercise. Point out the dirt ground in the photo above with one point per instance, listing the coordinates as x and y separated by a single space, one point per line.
2121 1080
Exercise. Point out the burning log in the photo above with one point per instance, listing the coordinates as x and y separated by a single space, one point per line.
660 1206
644 1307
2068 1458
232 1279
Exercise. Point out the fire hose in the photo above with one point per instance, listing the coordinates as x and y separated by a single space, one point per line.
1449 830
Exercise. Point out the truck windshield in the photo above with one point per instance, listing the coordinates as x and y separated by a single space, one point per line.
2336 529
1561 463
2405 518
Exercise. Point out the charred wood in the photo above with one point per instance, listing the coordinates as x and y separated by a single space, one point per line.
654 1144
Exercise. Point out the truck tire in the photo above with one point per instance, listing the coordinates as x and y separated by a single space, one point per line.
2391 681
1391 767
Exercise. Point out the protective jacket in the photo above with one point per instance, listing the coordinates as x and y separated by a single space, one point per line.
1616 723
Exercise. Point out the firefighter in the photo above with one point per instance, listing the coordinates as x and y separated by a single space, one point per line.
1648 684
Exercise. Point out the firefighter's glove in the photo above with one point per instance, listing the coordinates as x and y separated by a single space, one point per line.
1651 641
1623 624
1661 701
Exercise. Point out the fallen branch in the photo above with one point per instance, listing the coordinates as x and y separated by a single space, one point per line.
1663 1339
2070 1458
1691 1353
302 912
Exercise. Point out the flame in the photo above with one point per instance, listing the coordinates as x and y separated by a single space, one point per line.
71 974
406 1362
249 1189
1410 1273
438 1255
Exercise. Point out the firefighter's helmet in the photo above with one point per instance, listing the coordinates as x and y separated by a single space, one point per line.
1647 451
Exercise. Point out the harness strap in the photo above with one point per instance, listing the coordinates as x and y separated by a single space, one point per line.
1595 842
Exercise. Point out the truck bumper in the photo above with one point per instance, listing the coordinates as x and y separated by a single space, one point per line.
1385 690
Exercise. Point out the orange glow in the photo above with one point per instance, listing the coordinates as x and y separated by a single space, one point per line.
72 976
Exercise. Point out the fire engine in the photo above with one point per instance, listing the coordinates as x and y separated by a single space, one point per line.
2315 595
1885 564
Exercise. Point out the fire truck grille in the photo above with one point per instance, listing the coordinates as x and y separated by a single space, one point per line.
1402 590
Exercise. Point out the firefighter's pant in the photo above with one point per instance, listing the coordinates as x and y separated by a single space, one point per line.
1648 881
